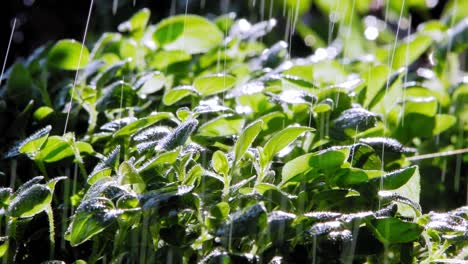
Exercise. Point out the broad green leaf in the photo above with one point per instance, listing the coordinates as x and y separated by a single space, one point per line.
151 84
142 123
325 160
408 51
68 55
34 143
220 163
352 121
365 157
52 182
99 174
376 79
218 214
137 22
282 139
30 201
352 176
425 106
395 179
222 127
412 191
395 231
246 139
91 218
129 175
178 136
176 94
224 22
42 113
305 72
191 33
209 85
57 148
443 122
20 85
117 95
249 222
164 58
168 157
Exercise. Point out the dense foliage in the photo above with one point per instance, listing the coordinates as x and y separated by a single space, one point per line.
190 141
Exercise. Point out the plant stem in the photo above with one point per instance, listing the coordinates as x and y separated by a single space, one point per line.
50 215
40 165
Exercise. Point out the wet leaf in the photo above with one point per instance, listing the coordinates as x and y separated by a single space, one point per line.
222 127
246 139
137 22
175 32
91 218
30 201
249 222
178 136
209 85
68 55
282 139
395 231
325 160
395 179
178 93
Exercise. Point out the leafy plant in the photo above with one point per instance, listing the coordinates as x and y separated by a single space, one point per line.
194 142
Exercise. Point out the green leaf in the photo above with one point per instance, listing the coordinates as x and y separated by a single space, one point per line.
34 143
408 51
164 58
68 55
395 231
209 85
176 94
249 222
282 139
117 95
191 33
351 121
52 182
151 83
443 122
129 175
325 160
222 127
137 22
42 113
218 213
395 179
422 105
376 79
57 148
30 201
220 163
246 139
20 85
167 157
178 136
91 218
142 123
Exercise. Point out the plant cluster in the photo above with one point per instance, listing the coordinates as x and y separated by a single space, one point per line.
190 141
